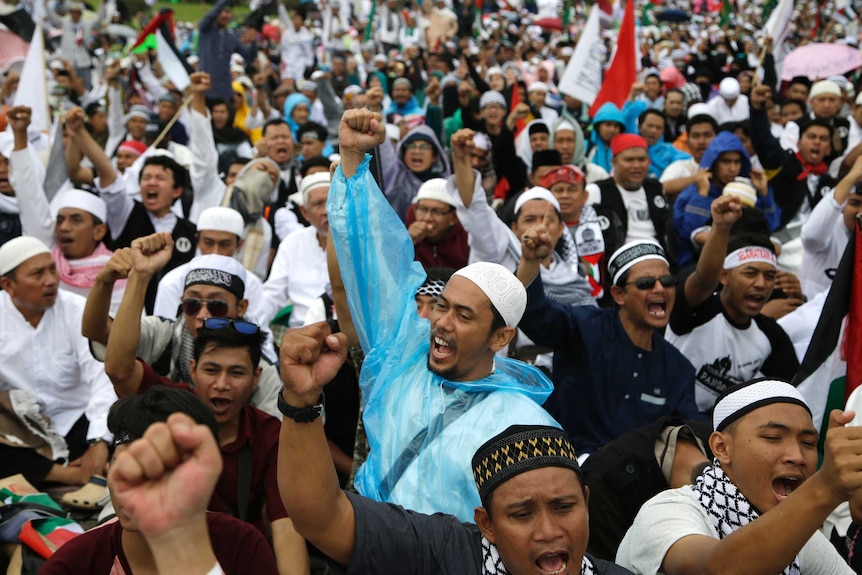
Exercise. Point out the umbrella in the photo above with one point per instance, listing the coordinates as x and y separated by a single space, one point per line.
819 61
549 23
673 15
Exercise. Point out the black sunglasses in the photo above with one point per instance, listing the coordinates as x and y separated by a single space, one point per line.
647 283
216 307
238 325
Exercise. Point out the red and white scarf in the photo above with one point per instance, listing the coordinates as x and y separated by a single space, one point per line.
82 273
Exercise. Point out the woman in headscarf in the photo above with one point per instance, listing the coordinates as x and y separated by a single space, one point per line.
226 135
243 113
419 157
297 109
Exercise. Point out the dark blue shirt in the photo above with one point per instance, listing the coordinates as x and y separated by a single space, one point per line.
215 46
604 386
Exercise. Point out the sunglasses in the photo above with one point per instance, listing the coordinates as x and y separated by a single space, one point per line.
238 325
216 307
647 283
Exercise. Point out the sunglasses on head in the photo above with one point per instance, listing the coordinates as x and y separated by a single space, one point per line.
647 283
216 307
238 325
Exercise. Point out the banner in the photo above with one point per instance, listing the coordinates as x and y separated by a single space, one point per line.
582 78
622 72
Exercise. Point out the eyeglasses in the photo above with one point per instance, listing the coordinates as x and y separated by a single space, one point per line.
418 147
435 212
647 283
238 325
216 307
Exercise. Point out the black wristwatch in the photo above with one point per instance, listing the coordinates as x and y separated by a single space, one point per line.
302 414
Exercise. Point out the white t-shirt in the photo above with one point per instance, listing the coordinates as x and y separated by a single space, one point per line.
686 168
640 226
676 513
824 238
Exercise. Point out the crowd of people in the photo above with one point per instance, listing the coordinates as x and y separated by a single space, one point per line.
360 288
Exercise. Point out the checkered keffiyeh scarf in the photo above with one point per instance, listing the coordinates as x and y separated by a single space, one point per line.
727 508
493 565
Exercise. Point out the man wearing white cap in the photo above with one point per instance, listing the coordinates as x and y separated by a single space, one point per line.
299 273
431 392
46 359
438 237
759 507
825 101
220 231
536 94
724 334
730 105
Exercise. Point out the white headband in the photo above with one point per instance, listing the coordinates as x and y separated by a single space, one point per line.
749 255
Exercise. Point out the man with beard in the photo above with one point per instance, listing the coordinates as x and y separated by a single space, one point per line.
724 334
431 391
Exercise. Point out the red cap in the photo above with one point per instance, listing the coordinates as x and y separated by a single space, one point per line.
133 146
623 142
568 173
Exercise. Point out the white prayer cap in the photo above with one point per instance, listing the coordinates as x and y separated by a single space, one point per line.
237 68
217 270
494 71
824 87
742 189
566 51
563 126
634 253
18 250
86 201
220 219
236 59
312 182
506 292
537 87
729 88
536 193
193 59
698 109
744 398
481 141
434 189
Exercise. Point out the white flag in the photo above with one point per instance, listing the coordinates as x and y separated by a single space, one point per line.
778 27
583 76
33 91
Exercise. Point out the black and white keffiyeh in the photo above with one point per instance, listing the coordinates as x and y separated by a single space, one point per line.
492 564
727 508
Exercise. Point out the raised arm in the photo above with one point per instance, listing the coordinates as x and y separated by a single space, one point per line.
208 188
35 213
209 18
769 150
702 283
149 255
96 321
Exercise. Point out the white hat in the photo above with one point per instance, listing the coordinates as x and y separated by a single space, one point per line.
237 68
537 87
729 88
86 201
506 292
18 250
698 109
742 399
381 58
222 219
481 141
824 87
492 97
494 71
742 189
564 125
236 59
434 189
312 182
536 193
193 59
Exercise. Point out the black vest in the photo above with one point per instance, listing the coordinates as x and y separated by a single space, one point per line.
10 227
659 208
139 225
790 191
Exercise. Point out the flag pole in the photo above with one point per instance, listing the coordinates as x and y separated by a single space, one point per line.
172 121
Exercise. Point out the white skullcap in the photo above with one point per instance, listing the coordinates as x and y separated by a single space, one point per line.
567 51
634 253
537 87
481 141
237 59
742 189
137 111
536 193
380 58
729 88
217 270
79 199
237 68
698 109
393 132
824 87
494 71
220 219
492 97
563 126
18 250
312 182
841 81
744 398
506 292
353 89
192 60
858 102
434 189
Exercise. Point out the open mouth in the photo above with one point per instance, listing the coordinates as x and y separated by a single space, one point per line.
755 301
150 195
784 486
553 563
441 346
65 241
220 405
657 308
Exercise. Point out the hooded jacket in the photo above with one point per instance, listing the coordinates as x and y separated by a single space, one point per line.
241 114
400 183
692 211
600 152
292 102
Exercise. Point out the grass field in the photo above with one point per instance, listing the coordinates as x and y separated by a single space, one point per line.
194 11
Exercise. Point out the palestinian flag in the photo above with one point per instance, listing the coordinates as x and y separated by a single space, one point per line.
726 14
832 367
260 9
20 22
173 63
44 536
768 7
516 99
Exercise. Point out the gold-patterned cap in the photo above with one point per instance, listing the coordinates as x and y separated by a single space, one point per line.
518 449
